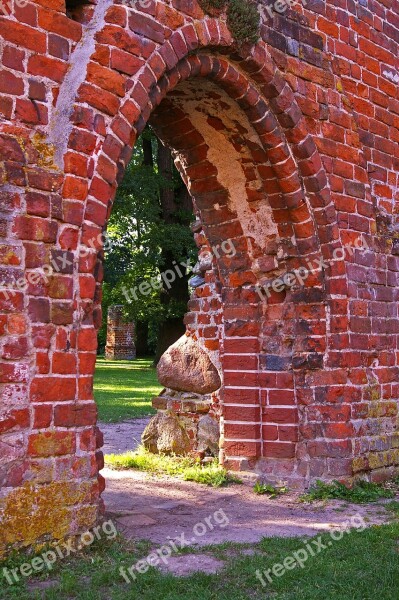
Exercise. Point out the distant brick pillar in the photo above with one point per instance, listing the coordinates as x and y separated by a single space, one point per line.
120 336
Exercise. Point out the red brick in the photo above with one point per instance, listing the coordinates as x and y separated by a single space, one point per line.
13 372
279 450
87 339
53 389
15 348
87 363
106 79
280 415
75 415
75 188
13 58
48 67
100 99
42 416
31 112
64 363
11 84
49 20
23 36
42 363
124 62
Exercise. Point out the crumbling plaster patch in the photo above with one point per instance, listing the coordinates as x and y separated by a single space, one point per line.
200 103
60 126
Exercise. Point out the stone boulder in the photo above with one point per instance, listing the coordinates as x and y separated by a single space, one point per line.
186 367
166 434
208 435
150 435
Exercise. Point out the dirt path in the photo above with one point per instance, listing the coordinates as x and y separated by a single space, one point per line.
152 508
162 508
120 437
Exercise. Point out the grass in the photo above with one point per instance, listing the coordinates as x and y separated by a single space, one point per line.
266 488
361 566
123 389
393 507
184 467
361 492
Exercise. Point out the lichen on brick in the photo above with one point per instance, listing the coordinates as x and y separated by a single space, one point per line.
46 151
32 513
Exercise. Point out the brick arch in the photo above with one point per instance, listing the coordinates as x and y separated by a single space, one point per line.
301 201
268 99
301 204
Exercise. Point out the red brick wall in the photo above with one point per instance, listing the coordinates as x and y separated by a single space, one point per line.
289 149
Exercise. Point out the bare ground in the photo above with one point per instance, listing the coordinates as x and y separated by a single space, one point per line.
124 436
154 508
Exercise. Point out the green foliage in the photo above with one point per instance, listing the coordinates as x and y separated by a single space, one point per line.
243 20
213 7
139 238
123 389
266 488
185 467
361 492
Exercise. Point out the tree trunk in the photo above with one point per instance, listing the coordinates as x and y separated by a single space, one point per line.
147 152
142 339
171 329
169 332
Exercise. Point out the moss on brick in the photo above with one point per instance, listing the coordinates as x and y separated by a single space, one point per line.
243 20
213 7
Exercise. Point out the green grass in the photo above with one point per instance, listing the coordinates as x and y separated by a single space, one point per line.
270 490
123 389
393 507
360 566
361 492
184 467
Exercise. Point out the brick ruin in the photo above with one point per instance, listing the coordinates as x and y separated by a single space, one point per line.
120 335
289 149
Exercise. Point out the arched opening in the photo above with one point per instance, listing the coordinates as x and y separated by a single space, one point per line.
249 188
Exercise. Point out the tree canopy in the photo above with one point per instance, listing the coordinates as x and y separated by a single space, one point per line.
149 233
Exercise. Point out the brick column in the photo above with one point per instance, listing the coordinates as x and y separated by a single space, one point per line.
120 336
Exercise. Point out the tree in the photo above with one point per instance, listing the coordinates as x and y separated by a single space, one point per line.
150 235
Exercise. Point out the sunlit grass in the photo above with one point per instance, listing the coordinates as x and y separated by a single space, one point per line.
362 492
184 467
123 389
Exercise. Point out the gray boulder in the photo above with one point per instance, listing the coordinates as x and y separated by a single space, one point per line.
166 434
208 435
